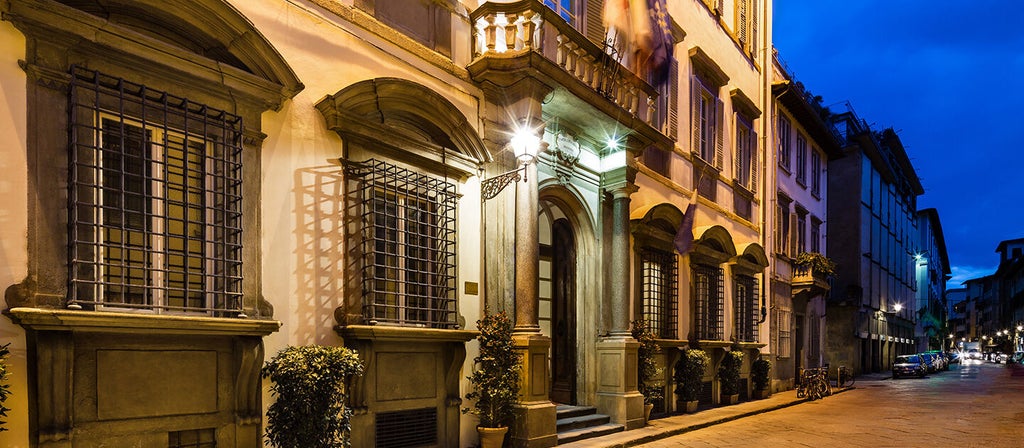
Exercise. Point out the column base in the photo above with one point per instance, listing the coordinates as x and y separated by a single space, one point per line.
535 416
617 393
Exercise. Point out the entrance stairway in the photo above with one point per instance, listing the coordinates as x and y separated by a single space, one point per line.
582 422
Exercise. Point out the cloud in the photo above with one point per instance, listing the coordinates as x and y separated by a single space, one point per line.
964 273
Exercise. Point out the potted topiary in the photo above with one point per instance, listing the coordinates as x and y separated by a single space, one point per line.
495 380
309 384
729 376
759 371
689 377
646 366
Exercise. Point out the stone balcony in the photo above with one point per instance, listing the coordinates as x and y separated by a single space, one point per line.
515 40
808 281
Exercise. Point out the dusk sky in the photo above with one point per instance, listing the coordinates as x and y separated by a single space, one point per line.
948 76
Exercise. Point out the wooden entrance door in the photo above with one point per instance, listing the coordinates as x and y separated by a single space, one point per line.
563 313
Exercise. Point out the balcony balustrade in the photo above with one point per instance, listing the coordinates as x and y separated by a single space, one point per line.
511 30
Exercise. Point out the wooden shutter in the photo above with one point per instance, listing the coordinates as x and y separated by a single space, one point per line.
753 27
673 100
594 25
719 133
695 114
792 235
753 160
741 21
737 168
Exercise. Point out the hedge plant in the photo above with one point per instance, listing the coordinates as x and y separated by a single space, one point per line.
729 372
309 385
759 371
648 369
689 374
496 378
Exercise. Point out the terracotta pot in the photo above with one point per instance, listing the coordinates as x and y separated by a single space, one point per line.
688 407
491 437
730 399
648 407
761 394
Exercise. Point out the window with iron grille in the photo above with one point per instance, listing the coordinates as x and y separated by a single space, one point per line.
746 297
192 438
708 290
659 272
785 325
155 200
407 240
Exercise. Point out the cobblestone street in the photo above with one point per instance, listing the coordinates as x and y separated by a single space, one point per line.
972 405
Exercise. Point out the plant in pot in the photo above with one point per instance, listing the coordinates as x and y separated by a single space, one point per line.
647 368
689 377
819 264
309 383
495 380
729 376
759 372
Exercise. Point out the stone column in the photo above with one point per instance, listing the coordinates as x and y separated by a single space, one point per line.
617 393
535 413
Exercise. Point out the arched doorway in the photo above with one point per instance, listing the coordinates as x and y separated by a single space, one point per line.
563 312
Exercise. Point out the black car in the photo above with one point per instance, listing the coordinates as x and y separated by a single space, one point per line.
909 365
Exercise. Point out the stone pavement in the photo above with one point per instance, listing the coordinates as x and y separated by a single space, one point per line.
677 424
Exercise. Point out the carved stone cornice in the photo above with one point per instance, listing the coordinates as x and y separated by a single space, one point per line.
40 319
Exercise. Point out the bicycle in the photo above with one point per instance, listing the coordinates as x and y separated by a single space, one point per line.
844 377
814 383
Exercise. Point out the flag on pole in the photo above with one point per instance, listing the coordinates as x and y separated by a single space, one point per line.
684 236
662 43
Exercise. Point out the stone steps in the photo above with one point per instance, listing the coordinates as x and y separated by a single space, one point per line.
582 422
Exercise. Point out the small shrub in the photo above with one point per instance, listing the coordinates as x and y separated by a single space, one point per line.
309 386
759 372
689 374
648 369
818 263
729 372
496 380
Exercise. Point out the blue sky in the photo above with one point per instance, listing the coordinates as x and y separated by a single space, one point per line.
948 76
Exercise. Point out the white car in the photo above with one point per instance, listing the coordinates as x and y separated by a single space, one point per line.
973 354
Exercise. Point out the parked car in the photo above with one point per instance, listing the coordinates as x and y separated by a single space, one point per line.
941 361
909 365
1017 358
954 357
931 362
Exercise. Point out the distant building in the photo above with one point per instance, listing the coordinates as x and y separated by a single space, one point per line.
957 316
872 238
804 144
931 264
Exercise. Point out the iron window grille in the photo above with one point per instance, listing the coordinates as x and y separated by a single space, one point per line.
659 273
407 242
709 289
785 325
154 200
192 438
746 298
408 428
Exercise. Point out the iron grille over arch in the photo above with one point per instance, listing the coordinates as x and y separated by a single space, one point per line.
407 244
659 274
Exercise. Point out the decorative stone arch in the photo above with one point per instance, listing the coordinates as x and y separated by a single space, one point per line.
752 257
714 242
657 227
569 202
409 119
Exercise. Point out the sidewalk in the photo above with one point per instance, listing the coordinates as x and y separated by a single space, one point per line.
677 424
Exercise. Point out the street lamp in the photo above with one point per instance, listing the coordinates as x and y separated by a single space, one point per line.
525 146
